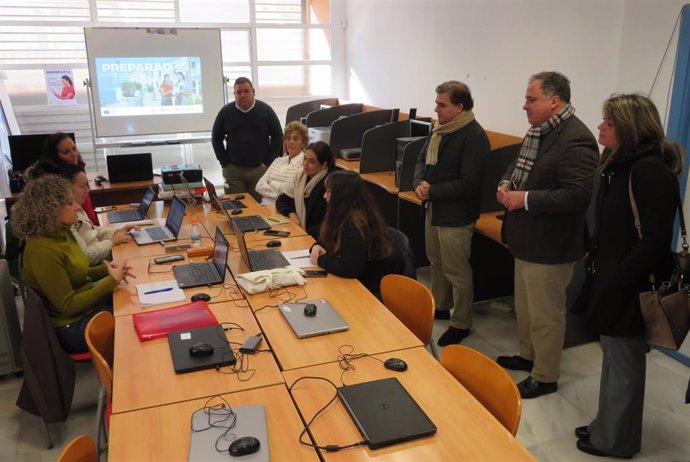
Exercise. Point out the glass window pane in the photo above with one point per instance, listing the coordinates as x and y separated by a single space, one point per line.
214 11
293 44
235 46
304 80
232 72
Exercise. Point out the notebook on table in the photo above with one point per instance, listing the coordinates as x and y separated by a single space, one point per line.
206 273
385 413
326 321
156 324
181 340
217 203
169 232
250 421
129 167
258 260
137 214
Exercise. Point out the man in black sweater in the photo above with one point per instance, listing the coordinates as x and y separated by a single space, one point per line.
253 138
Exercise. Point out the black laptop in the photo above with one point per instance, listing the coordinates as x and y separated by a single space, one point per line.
129 167
251 223
217 203
258 260
181 341
137 214
385 413
207 273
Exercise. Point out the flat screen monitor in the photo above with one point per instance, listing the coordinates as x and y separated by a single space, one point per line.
420 127
26 149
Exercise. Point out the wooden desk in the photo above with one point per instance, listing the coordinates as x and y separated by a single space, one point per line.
119 193
213 218
466 430
126 300
373 329
143 374
490 226
352 165
163 433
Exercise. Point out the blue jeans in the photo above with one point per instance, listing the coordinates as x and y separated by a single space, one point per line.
71 336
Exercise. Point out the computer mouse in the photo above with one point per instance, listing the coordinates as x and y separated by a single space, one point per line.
310 310
395 364
201 296
239 197
201 349
244 445
273 244
236 211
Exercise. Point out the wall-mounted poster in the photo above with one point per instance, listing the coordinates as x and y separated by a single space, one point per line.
60 86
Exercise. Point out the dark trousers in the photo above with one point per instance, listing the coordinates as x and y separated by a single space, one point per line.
71 336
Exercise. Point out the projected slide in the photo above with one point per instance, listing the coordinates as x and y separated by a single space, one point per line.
140 86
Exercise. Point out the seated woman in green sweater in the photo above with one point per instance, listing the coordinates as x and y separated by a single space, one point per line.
54 264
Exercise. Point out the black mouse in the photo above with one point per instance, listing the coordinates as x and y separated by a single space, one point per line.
395 364
201 296
99 180
273 244
244 445
236 211
201 349
310 310
239 197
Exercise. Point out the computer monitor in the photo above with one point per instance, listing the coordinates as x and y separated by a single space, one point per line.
420 127
26 149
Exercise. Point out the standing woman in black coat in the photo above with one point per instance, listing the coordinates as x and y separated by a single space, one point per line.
619 263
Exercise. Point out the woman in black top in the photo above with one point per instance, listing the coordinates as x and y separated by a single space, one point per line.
354 242
303 200
619 263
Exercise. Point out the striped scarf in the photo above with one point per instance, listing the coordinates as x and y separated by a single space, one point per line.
530 146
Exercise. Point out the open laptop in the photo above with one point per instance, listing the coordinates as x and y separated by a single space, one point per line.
251 223
137 214
129 167
250 421
169 232
207 273
218 204
258 260
326 321
385 413
180 342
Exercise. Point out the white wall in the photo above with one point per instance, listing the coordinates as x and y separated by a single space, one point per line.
399 50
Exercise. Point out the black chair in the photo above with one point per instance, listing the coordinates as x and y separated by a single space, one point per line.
403 249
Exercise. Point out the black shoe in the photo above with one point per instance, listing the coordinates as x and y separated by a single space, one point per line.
530 388
453 335
515 363
442 314
585 445
582 432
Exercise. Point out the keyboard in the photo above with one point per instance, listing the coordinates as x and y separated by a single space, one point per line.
203 271
124 215
234 205
266 260
251 223
157 233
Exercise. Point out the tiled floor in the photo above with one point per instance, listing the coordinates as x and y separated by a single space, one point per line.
547 423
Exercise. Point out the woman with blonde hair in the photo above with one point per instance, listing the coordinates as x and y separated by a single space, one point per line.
638 156
274 182
54 265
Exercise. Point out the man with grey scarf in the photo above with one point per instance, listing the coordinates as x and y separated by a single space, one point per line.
448 180
546 191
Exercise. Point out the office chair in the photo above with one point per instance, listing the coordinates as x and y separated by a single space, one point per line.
80 449
488 383
100 337
412 303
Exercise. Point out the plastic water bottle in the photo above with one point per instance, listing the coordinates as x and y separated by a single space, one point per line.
196 234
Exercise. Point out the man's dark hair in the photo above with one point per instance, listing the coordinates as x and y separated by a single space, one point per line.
242 80
553 83
458 93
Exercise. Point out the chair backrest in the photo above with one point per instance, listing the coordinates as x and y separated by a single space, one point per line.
100 337
411 302
402 247
80 449
488 383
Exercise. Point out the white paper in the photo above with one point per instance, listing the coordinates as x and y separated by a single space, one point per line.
299 258
174 295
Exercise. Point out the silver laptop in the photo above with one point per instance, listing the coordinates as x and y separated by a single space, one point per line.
251 421
137 214
217 203
258 260
206 273
326 320
169 232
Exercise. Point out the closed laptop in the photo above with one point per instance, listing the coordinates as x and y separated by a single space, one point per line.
181 341
326 320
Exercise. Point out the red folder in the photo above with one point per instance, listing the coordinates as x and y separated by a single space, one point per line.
156 324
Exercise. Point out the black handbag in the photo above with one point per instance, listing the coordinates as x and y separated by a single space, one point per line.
666 308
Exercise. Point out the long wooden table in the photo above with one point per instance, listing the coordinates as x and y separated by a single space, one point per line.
466 430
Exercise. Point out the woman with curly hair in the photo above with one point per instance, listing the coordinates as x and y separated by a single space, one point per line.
54 265
59 149
96 241
354 241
